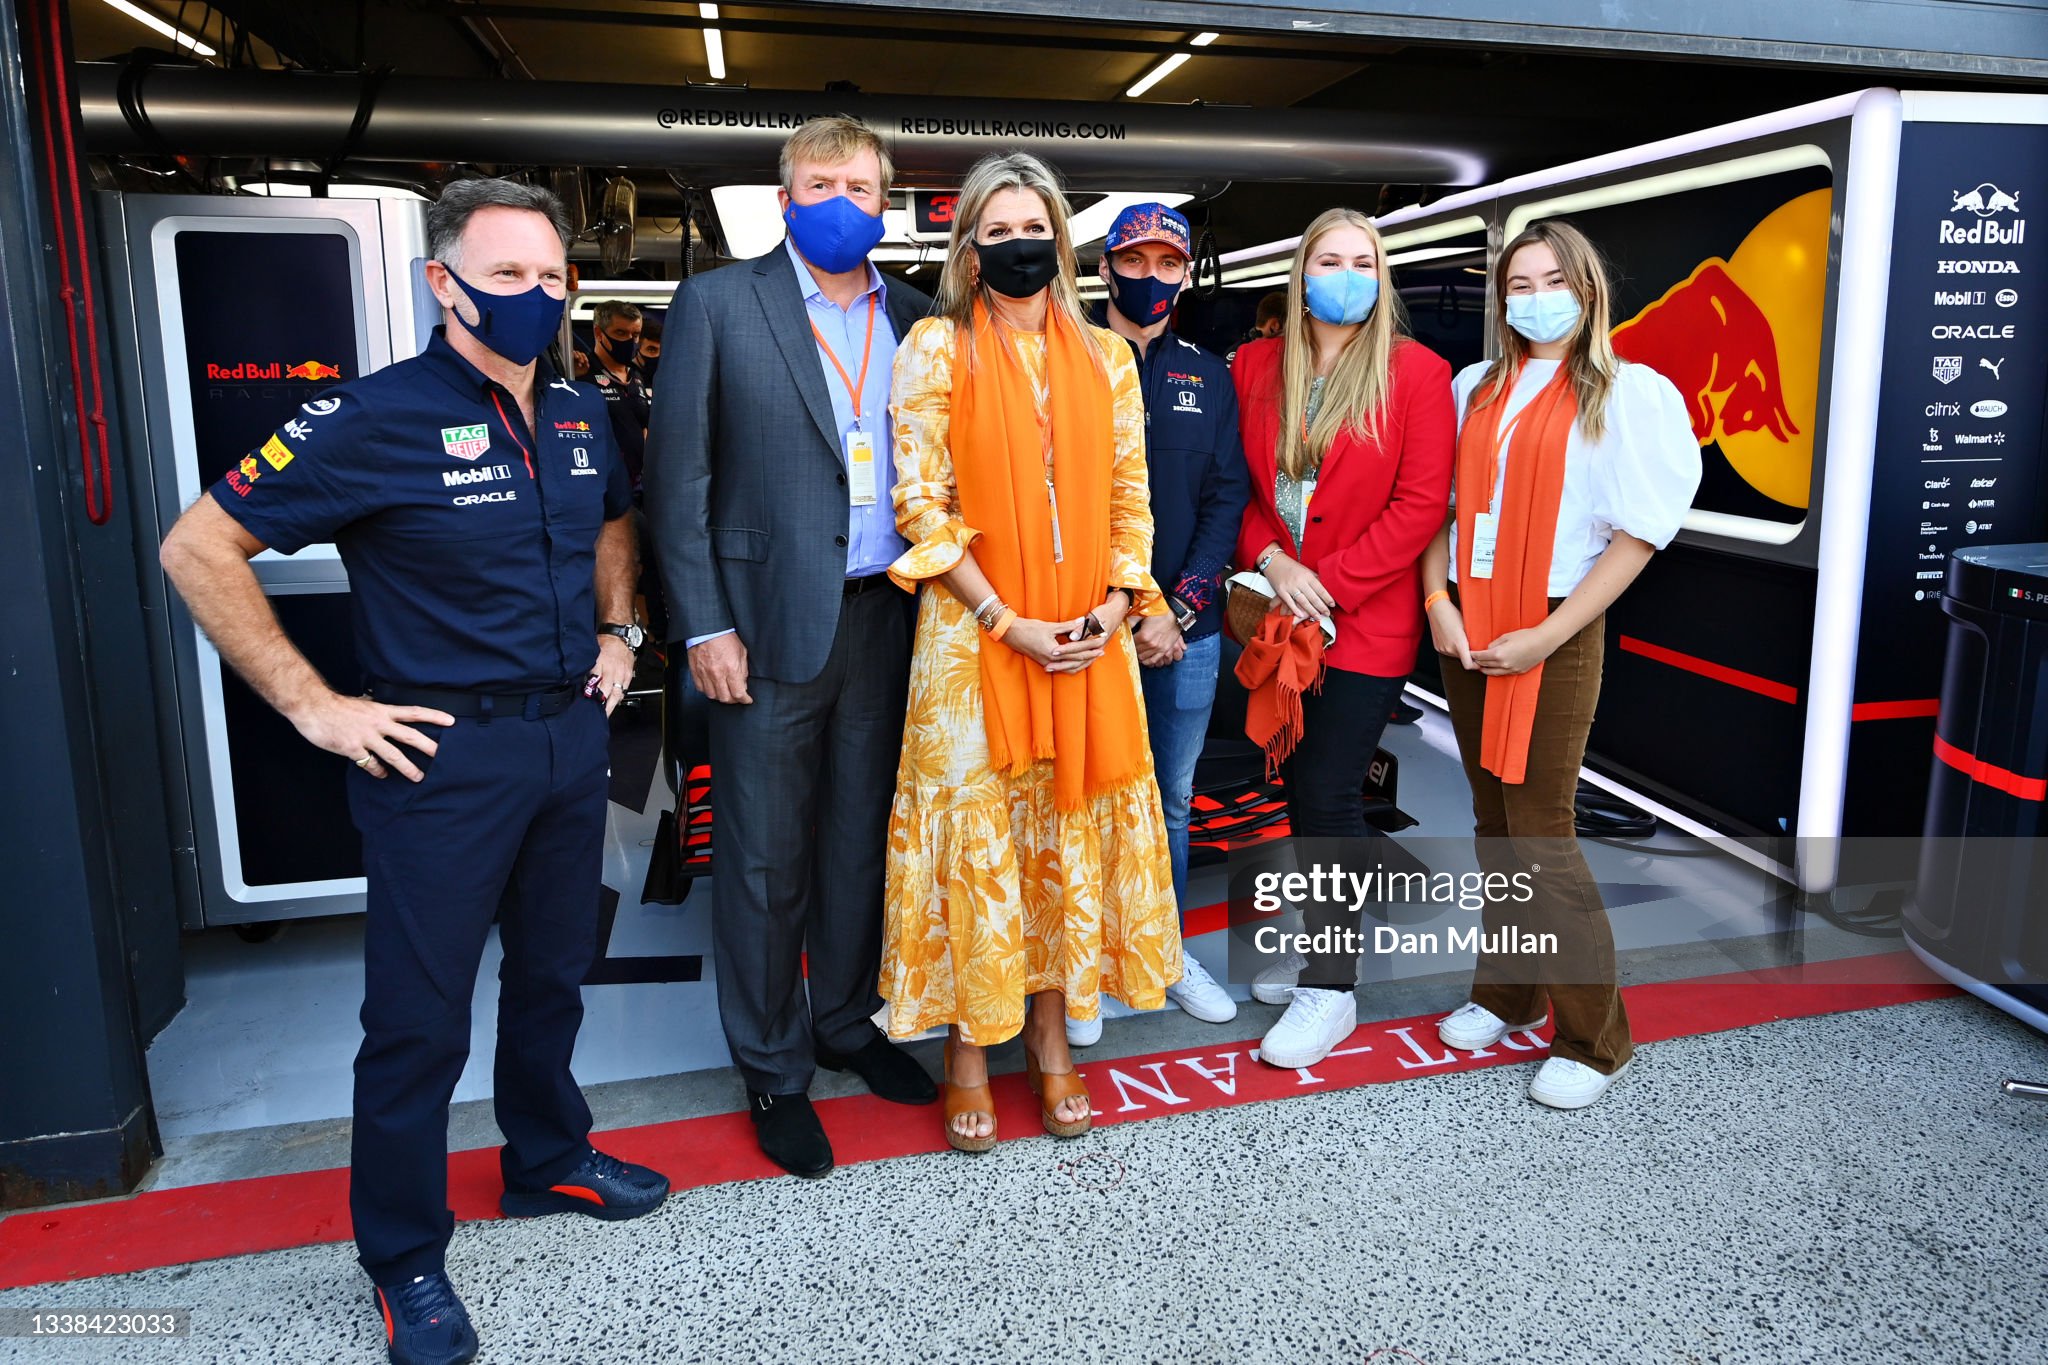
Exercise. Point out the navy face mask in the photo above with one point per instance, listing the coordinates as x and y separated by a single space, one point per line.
833 234
1144 300
622 351
516 326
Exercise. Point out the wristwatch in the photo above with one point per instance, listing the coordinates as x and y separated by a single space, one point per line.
632 635
1184 615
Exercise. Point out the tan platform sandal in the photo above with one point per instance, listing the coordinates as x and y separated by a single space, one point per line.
1053 1089
967 1099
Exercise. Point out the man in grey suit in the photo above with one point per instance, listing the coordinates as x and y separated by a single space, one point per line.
768 478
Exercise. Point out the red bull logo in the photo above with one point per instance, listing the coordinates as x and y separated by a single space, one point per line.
1740 340
258 371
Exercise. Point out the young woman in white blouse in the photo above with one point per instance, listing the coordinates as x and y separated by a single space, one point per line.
1573 468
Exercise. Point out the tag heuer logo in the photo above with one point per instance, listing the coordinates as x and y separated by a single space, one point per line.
1947 368
466 443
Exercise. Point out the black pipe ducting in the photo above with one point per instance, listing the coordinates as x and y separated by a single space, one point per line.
736 134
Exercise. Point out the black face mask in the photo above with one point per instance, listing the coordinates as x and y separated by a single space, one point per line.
1018 267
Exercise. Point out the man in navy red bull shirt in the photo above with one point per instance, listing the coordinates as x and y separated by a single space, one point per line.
1195 460
480 506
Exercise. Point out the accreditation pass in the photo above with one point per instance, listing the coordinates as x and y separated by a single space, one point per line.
860 467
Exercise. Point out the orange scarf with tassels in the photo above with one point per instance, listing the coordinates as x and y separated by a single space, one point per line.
1284 660
1517 596
1088 723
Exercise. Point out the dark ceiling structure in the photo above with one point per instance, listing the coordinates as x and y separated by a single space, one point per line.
412 91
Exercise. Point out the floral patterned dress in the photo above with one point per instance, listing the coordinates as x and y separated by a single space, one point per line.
993 892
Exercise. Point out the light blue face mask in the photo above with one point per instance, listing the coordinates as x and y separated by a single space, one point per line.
1342 297
1544 317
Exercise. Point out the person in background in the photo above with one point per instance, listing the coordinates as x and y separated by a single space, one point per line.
650 345
1194 461
1574 467
771 521
1028 865
615 327
1348 430
1267 323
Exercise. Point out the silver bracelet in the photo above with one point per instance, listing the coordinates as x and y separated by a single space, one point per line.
1272 553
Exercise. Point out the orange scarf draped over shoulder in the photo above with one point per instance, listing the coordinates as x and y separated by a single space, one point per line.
1517 596
1088 723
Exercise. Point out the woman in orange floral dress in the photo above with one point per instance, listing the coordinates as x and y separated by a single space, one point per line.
1027 847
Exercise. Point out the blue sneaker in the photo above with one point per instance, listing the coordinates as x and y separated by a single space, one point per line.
425 1324
601 1187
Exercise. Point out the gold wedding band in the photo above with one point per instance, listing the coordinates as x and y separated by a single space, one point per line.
366 760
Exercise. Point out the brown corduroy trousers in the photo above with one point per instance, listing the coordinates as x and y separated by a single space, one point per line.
1530 824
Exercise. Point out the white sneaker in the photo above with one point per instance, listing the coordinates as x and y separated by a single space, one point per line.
1275 984
1315 1022
1084 1032
1471 1027
1198 994
1563 1083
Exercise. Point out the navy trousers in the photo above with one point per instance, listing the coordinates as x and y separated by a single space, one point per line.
511 812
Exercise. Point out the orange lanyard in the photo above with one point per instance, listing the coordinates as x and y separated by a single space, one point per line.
853 390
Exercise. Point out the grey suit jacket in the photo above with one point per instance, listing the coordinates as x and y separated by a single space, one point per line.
745 478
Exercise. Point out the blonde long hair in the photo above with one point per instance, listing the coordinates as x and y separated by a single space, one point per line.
1356 391
960 283
1590 360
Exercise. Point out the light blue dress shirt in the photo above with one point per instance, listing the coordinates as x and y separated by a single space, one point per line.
872 542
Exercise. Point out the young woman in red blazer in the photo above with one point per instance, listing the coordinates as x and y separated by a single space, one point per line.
1349 433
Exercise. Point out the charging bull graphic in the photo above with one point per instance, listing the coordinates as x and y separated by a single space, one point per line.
312 369
1740 340
1986 200
1710 339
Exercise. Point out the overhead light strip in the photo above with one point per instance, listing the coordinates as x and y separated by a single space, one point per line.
1168 66
714 44
150 21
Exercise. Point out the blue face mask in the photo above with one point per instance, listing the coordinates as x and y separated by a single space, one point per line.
834 234
1545 317
1144 300
516 326
1342 297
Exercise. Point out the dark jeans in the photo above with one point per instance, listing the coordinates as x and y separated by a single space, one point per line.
1325 780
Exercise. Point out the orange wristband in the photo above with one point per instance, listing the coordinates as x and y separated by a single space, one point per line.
1002 625
1430 600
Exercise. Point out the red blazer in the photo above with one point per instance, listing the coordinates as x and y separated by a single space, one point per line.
1377 505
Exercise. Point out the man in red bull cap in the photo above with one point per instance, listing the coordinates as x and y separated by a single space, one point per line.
1199 488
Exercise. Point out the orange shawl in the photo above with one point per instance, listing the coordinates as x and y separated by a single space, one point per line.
1087 723
1281 662
1517 596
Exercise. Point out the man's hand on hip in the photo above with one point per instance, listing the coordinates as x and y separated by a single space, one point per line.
719 668
366 732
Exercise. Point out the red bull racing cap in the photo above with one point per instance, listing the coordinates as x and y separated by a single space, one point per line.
1150 223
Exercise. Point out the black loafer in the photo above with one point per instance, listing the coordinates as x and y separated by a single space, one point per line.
890 1072
601 1186
789 1133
